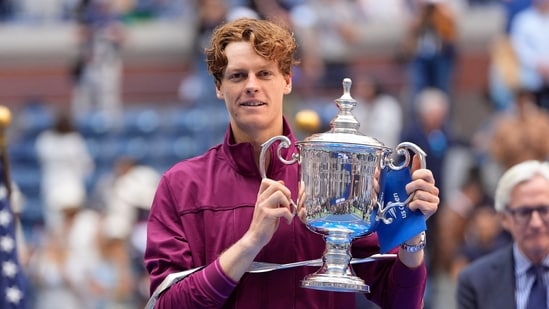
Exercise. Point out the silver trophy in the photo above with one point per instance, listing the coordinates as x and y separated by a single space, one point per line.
339 175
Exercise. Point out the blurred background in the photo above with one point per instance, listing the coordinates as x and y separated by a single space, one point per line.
106 95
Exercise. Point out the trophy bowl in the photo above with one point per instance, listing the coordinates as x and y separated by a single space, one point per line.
340 179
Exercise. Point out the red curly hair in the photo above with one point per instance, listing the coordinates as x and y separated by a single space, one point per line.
269 40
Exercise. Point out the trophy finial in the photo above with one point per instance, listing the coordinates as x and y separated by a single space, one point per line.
347 82
345 121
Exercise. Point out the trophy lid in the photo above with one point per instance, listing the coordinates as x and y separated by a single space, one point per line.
344 127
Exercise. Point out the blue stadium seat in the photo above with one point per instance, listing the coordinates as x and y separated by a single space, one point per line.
33 119
185 147
23 151
141 122
94 124
28 179
136 147
33 212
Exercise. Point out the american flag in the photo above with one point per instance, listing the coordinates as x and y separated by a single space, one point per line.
12 280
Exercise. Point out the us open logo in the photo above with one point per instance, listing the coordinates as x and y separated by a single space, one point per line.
397 212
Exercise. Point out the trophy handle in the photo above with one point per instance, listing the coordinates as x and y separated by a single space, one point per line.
402 149
284 143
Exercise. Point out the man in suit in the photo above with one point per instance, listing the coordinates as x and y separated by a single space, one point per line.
502 279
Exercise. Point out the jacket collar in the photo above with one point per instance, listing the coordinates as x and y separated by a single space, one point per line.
241 155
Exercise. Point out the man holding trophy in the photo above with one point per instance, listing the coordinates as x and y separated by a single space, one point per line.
216 217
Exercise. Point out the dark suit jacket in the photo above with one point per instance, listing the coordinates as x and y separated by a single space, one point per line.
488 282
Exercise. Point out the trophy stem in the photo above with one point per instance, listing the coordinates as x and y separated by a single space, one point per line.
336 273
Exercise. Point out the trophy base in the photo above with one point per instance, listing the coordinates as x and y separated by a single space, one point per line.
335 283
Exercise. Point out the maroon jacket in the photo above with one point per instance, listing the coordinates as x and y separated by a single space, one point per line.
205 204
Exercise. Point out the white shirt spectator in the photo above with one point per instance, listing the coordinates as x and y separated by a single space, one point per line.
531 45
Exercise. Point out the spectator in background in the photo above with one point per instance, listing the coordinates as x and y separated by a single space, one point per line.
429 47
431 131
503 74
279 11
507 277
375 10
454 216
61 266
146 10
333 36
82 263
6 10
193 88
97 72
104 186
512 8
379 113
130 199
125 194
40 12
521 134
531 45
483 234
66 164
112 280
125 197
464 232
510 136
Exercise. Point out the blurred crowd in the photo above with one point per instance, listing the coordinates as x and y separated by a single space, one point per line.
90 244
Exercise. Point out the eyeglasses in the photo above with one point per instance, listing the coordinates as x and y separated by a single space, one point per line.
522 215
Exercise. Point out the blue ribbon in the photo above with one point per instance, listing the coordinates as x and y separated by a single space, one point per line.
406 223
